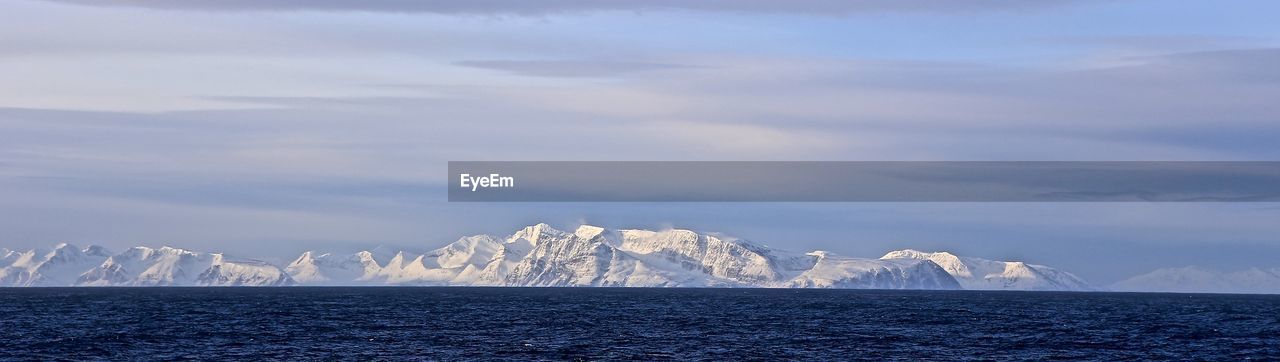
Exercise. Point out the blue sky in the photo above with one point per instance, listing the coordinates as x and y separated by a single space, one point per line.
285 124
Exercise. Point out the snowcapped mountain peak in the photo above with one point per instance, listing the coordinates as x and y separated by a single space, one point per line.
535 234
399 258
332 269
97 250
66 265
977 273
139 252
365 259
948 261
304 258
169 250
46 267
541 228
718 255
916 254
472 250
588 232
225 271
143 266
832 271
65 251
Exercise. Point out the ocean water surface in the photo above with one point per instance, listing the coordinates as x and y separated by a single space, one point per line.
452 323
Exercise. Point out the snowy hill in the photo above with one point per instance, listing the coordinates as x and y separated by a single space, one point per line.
983 274
1201 280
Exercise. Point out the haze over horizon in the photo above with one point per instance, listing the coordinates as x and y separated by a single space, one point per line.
269 127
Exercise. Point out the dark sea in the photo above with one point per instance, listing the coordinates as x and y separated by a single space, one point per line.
460 323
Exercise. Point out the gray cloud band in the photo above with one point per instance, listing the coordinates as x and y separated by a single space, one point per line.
858 181
566 6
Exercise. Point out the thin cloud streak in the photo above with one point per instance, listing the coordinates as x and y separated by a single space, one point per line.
520 7
570 68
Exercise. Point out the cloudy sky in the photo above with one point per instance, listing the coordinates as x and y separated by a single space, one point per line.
265 127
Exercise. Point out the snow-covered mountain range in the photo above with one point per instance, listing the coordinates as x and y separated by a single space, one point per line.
983 274
68 265
540 255
1202 280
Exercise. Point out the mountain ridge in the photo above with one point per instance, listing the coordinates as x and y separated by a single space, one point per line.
540 255
983 274
1204 280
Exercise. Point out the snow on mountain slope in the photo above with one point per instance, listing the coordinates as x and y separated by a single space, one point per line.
64 265
68 265
540 255
467 251
21 266
57 267
332 269
166 266
831 271
1200 280
150 267
458 263
98 251
223 272
983 274
558 258
509 254
399 269
717 255
583 258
